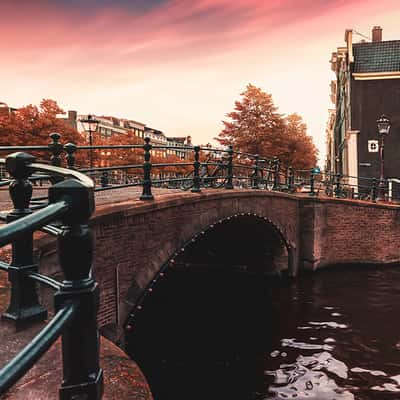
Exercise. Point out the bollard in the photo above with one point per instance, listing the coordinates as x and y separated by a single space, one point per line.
229 177
24 303
196 170
146 194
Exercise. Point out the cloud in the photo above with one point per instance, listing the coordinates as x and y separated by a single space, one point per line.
167 29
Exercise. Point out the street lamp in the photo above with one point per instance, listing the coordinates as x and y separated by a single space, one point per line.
90 124
383 124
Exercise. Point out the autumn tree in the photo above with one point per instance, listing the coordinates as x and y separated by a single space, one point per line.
256 127
31 126
254 123
301 152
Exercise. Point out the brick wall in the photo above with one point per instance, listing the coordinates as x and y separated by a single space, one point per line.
134 239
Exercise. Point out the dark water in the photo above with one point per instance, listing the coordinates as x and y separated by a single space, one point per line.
214 334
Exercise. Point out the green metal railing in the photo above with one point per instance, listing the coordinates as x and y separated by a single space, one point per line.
70 201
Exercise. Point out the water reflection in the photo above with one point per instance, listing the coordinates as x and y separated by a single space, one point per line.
331 335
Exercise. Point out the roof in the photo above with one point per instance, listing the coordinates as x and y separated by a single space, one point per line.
377 56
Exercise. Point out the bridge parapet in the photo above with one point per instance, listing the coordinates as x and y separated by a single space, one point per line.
320 232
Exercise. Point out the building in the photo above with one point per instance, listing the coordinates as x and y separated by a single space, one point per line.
179 146
367 85
109 126
157 138
5 110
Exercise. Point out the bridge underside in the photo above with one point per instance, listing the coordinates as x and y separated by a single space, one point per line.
246 243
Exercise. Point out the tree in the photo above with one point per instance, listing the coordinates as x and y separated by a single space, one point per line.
256 127
301 151
31 126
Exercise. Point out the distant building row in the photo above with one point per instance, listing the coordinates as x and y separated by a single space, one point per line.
109 126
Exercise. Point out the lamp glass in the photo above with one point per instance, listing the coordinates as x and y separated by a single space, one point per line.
383 124
90 123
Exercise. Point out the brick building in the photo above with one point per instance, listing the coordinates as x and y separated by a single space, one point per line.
109 126
367 85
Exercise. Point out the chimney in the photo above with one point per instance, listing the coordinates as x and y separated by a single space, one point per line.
377 34
72 115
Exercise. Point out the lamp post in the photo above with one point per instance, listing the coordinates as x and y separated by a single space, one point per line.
383 124
90 124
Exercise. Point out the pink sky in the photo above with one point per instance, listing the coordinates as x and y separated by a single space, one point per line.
177 65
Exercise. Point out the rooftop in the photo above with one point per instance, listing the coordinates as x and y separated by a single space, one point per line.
377 56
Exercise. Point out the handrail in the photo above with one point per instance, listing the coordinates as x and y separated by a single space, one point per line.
71 200
32 352
45 280
31 222
263 172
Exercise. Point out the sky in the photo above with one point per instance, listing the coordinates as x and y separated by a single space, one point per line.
179 65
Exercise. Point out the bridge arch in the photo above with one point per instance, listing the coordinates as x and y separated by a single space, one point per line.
274 258
153 233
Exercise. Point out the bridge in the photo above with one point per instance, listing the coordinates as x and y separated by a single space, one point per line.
255 221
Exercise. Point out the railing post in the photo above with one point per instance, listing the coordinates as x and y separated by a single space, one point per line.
337 186
312 182
196 170
254 182
374 190
229 177
126 177
56 148
276 174
291 180
146 194
24 303
70 149
104 179
82 375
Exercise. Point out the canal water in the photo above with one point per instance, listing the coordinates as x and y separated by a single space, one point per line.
210 333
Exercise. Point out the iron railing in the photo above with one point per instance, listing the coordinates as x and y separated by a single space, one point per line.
203 167
64 212
70 203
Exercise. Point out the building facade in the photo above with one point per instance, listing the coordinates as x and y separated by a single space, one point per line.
109 126
367 85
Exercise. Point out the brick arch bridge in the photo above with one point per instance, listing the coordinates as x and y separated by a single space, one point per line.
136 239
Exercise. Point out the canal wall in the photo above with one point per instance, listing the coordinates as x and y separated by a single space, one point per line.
336 231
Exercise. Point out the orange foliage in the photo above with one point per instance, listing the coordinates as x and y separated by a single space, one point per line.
31 126
256 127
